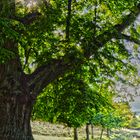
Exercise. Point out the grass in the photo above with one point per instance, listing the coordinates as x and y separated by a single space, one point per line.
47 131
40 137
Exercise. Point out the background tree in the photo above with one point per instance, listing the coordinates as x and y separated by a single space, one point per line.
71 100
108 119
41 43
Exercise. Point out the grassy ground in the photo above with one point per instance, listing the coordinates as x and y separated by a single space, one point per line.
47 131
40 137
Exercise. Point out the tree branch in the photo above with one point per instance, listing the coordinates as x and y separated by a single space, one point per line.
46 3
129 19
117 29
30 18
45 74
68 20
129 38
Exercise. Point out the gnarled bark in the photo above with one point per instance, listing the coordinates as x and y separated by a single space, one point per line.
15 100
15 112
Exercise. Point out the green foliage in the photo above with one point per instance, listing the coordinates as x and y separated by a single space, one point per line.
95 48
9 29
123 110
117 6
5 55
108 120
9 32
80 96
44 39
135 123
73 99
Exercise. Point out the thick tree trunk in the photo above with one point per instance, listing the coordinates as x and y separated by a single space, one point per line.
15 100
15 112
75 134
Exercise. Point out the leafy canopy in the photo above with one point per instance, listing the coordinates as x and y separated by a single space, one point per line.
45 38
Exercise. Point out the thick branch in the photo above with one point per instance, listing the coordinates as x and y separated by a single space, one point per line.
129 38
49 72
129 19
68 20
29 19
46 74
117 29
46 3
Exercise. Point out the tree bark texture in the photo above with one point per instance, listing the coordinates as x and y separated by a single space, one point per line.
15 118
15 100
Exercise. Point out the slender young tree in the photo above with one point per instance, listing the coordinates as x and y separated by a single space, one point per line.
75 134
87 131
39 44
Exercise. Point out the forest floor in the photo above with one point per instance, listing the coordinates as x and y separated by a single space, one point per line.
47 131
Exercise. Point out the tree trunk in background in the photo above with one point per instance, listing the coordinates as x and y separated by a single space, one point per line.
75 134
101 133
92 131
87 132
69 131
108 132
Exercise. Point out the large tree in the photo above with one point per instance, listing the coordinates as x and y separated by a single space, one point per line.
39 44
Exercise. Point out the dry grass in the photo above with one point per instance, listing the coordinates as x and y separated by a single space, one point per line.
47 131
40 137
